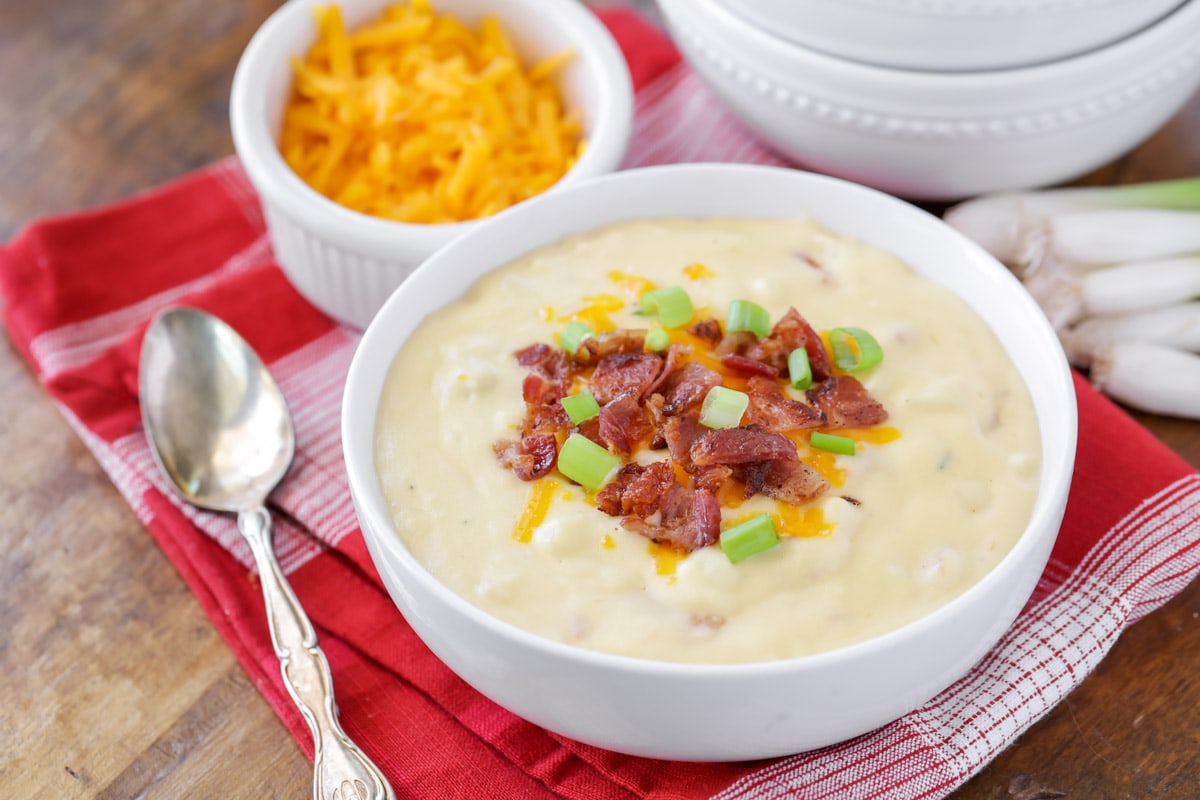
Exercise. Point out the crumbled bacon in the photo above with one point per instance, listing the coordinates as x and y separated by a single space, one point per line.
590 429
623 424
743 364
791 482
690 519
681 432
707 330
846 404
771 409
653 400
551 363
712 478
595 348
686 519
622 373
545 418
686 387
538 389
737 343
670 362
790 333
741 446
530 458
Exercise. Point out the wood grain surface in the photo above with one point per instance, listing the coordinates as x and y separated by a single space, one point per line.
114 683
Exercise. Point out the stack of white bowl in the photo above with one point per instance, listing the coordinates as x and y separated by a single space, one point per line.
943 99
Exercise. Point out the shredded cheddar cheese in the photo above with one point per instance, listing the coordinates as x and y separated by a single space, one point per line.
698 271
416 117
541 493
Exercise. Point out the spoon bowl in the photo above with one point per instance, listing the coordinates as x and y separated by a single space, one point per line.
219 428
220 425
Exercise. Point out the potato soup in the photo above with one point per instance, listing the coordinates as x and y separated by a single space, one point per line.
927 497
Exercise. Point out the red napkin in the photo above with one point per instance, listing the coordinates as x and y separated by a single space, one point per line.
77 292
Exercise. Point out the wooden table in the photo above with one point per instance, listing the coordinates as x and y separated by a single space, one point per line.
114 684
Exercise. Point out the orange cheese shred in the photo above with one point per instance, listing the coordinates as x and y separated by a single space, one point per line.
417 117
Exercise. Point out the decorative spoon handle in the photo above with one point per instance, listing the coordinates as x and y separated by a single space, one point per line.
341 771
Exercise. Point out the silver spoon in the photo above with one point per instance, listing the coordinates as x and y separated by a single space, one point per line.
220 429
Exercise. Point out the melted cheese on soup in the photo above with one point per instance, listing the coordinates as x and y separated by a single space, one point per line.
937 507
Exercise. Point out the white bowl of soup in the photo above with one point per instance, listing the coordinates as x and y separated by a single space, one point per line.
628 593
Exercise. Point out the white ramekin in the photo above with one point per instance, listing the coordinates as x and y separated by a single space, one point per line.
347 263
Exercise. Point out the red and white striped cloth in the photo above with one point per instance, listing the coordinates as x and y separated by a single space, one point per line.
77 292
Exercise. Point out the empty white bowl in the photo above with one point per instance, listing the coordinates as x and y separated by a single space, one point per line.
347 263
943 135
953 35
731 711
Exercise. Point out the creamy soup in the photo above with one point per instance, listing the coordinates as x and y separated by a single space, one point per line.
930 501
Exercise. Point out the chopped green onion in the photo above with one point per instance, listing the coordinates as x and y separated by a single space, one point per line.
748 538
580 407
723 408
799 370
658 339
747 316
671 304
842 445
854 349
573 334
586 462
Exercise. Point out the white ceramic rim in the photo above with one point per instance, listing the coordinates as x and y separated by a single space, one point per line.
1130 49
269 173
379 344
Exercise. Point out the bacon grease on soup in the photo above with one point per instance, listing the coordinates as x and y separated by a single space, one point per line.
920 513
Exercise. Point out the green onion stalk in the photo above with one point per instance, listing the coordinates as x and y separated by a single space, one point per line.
1085 225
1117 271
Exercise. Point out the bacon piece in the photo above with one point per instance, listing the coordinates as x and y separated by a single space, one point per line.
737 342
653 406
538 389
712 478
687 519
530 458
636 489
622 340
743 364
590 429
690 520
846 404
791 482
792 332
680 433
741 446
622 424
707 330
686 387
548 381
771 409
670 360
549 362
621 373
544 418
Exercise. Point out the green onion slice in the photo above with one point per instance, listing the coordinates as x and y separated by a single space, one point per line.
658 340
723 407
586 462
581 407
748 538
842 445
854 349
745 315
573 334
671 304
799 370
